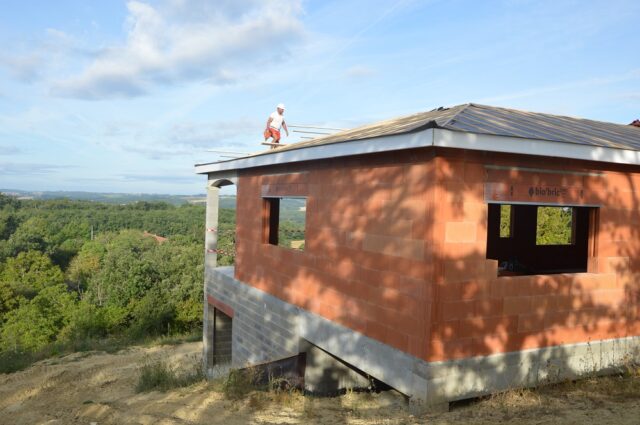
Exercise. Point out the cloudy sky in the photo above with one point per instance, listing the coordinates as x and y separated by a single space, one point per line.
114 96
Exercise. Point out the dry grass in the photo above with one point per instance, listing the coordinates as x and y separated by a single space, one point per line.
625 385
519 405
553 403
101 388
159 375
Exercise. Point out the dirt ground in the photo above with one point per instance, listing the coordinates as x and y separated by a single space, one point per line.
99 388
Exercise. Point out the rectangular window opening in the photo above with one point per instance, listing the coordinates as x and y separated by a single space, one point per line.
285 222
541 239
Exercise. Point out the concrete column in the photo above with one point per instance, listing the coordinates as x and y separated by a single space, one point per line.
210 260
211 237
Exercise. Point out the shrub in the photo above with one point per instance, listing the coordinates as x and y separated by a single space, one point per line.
36 323
152 315
89 321
160 375
240 382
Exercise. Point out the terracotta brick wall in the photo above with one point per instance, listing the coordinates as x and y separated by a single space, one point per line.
396 249
477 313
367 258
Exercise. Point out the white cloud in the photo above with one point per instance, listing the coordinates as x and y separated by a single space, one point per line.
161 178
180 40
22 169
630 96
29 62
359 71
214 134
25 68
184 139
9 150
588 83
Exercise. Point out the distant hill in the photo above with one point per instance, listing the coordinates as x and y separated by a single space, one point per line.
112 198
293 209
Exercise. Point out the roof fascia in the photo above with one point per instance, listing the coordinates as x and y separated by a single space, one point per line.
395 142
491 143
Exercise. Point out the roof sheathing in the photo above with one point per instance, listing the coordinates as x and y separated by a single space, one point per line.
513 123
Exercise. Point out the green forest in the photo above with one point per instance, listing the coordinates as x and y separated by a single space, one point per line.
75 275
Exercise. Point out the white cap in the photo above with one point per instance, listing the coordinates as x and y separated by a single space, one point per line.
280 106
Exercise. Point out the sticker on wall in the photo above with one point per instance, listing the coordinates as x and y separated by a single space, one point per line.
534 194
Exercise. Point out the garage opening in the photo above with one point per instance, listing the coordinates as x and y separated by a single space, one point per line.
540 239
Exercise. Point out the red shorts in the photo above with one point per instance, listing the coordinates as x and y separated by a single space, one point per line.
272 132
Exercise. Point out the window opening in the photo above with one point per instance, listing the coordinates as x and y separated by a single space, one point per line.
542 240
285 223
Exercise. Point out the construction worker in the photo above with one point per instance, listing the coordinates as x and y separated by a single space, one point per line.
274 123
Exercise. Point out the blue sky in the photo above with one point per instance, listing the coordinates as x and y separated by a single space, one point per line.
115 96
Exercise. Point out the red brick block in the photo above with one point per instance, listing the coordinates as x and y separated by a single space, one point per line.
460 270
489 307
446 330
397 339
376 330
474 290
542 303
516 305
458 310
417 347
561 302
531 323
517 285
496 288
449 291
460 231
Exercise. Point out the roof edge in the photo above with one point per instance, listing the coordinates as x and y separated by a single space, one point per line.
437 137
410 140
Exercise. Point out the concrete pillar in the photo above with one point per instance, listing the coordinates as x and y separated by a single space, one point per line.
210 260
211 237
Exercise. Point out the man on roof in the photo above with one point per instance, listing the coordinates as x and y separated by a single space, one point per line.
274 123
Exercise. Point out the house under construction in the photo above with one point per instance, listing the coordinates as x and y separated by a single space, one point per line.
421 262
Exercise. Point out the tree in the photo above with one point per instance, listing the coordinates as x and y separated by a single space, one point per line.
8 202
8 300
180 267
86 264
152 314
36 323
554 226
8 224
125 274
29 273
32 235
88 321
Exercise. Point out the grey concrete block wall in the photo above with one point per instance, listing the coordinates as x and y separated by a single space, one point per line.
477 376
266 328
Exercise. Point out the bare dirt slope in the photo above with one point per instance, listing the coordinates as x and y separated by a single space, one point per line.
98 388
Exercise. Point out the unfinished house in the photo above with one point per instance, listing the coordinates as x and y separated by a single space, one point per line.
448 254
